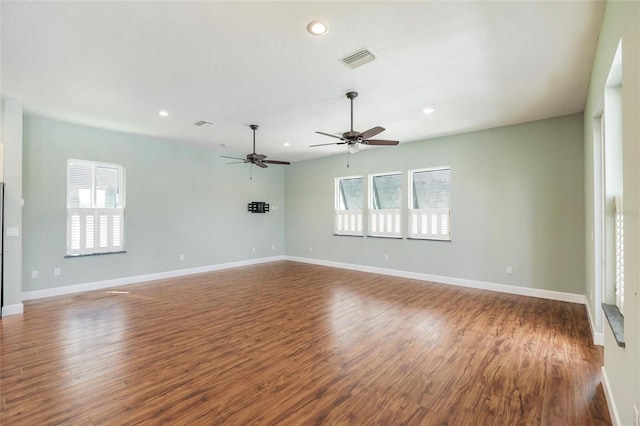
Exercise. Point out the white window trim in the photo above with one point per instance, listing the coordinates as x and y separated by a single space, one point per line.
383 222
347 222
427 224
104 239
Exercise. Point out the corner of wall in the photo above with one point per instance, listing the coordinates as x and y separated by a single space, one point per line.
598 336
12 252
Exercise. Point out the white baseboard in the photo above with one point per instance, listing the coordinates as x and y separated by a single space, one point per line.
18 308
613 410
598 336
502 288
97 285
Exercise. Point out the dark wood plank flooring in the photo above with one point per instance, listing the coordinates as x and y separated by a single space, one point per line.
297 344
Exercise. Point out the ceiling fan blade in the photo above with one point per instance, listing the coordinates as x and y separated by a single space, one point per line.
261 164
233 158
380 142
371 132
330 135
236 162
333 143
275 162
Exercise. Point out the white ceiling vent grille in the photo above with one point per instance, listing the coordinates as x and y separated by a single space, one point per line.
359 58
203 123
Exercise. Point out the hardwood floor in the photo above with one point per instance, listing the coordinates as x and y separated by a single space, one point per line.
296 344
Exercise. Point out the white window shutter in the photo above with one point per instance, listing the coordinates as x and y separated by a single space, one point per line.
385 223
348 222
429 224
619 236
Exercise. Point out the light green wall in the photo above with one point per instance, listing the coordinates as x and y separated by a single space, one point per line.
517 200
621 365
180 199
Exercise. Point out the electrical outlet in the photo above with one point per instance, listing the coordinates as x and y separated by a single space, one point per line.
273 247
509 270
386 257
57 272
310 248
253 249
34 274
182 257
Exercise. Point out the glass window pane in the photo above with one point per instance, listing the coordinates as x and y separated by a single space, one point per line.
432 189
79 185
351 194
387 191
106 187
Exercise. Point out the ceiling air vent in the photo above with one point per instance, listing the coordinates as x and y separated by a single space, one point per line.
359 58
203 123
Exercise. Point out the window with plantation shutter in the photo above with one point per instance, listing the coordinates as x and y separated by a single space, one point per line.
385 204
348 206
429 204
95 208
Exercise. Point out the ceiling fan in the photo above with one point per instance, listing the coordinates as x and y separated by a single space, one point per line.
352 137
253 158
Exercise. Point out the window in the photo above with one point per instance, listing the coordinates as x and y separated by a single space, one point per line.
348 207
385 202
95 208
610 208
429 204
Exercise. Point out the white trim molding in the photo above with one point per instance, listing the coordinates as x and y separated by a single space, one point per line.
598 336
481 285
16 309
97 285
611 403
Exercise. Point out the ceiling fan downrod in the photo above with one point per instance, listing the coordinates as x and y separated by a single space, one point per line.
254 127
351 95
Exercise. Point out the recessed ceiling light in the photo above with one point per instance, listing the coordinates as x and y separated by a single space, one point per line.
317 27
428 110
286 144
163 113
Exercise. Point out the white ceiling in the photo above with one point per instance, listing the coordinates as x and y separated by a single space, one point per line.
114 65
